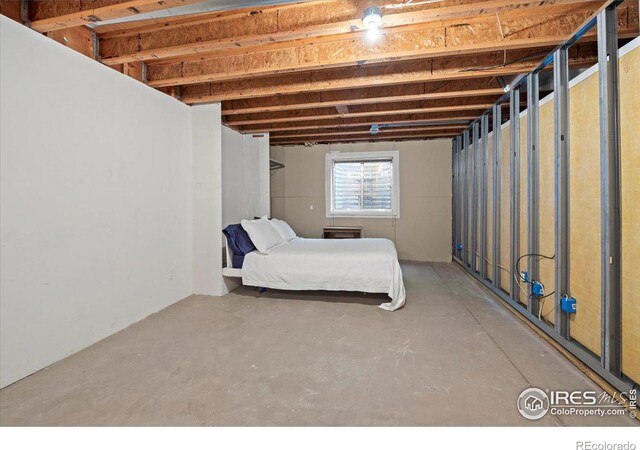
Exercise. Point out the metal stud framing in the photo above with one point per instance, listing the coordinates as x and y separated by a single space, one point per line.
460 189
610 191
514 147
474 202
533 189
465 200
497 138
608 366
561 137
454 194
484 125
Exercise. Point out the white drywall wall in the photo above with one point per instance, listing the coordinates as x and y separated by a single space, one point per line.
207 200
245 176
96 201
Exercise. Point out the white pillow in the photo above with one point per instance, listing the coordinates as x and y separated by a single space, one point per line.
263 235
284 230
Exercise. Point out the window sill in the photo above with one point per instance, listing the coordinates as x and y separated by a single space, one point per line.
363 216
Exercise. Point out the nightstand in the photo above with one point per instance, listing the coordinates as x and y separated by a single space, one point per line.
342 233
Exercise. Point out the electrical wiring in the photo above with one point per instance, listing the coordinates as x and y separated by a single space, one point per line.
519 279
528 255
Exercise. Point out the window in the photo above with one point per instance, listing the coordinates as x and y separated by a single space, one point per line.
362 184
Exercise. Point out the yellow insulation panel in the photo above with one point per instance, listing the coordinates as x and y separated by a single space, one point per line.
505 211
524 213
584 212
630 153
547 206
490 206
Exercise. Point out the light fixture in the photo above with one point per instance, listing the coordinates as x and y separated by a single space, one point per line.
372 21
375 129
506 88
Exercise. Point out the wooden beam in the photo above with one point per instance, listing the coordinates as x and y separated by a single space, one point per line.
306 134
372 137
80 39
135 70
349 115
164 24
328 32
11 9
115 11
418 119
432 43
367 96
391 74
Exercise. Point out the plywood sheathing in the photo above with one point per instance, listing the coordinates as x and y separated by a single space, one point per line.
393 73
201 47
400 46
383 94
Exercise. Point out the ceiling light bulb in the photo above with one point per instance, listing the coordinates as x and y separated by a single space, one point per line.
372 20
373 33
506 88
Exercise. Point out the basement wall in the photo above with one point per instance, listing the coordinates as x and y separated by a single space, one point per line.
584 206
423 230
245 176
96 201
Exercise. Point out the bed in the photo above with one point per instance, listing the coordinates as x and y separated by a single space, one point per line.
360 265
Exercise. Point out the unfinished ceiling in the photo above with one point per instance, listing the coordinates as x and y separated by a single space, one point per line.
306 71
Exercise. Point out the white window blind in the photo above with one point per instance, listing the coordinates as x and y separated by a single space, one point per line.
362 184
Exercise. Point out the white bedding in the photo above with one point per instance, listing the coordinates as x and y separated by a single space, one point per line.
362 265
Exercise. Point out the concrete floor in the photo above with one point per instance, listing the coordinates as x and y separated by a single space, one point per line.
453 356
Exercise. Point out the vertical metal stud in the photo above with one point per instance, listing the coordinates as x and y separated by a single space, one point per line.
533 180
561 136
454 180
484 123
474 201
460 190
467 174
497 144
611 234
514 146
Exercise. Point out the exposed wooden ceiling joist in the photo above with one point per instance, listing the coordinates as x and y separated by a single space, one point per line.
331 32
363 131
305 72
165 24
113 11
483 66
324 114
377 137
375 99
365 96
418 119
398 47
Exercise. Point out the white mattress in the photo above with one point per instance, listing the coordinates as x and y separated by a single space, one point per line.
362 265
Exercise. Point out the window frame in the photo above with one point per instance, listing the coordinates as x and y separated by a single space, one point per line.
332 157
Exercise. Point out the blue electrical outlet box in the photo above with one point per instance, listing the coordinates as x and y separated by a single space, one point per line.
525 276
568 305
459 246
537 289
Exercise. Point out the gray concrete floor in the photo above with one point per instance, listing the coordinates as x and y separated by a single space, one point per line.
453 356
